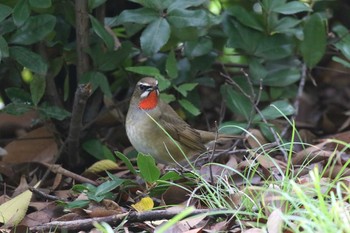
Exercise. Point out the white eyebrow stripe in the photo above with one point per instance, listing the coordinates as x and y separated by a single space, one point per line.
145 84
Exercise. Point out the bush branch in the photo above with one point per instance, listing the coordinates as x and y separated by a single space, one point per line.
116 219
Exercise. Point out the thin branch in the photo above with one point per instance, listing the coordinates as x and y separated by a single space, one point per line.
330 69
298 97
213 152
70 148
60 170
45 195
115 220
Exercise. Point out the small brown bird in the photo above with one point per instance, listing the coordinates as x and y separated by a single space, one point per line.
148 137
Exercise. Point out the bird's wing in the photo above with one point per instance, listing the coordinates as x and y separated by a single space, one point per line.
179 130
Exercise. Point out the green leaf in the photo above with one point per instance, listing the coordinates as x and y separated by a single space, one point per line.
167 98
270 5
7 26
75 204
171 65
111 60
154 4
257 71
102 33
35 29
341 61
282 77
285 25
101 80
244 17
274 47
266 131
21 12
54 112
275 110
80 188
187 33
314 44
40 3
155 36
188 18
29 59
163 83
232 127
18 95
153 72
148 169
172 176
92 4
99 198
241 37
183 4
237 102
292 8
108 186
144 70
4 11
95 148
37 88
126 161
343 44
189 107
278 93
4 49
185 88
17 108
139 16
198 48
97 80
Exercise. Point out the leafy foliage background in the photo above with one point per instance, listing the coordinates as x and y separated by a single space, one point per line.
254 52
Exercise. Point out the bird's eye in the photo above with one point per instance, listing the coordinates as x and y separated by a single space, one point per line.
143 87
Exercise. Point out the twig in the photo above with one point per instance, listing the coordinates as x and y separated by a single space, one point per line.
58 169
45 195
298 97
70 148
213 151
5 140
254 99
255 104
114 220
330 69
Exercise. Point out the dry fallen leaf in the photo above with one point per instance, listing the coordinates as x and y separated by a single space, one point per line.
254 230
275 221
255 138
175 195
100 166
44 214
14 210
314 154
38 145
144 204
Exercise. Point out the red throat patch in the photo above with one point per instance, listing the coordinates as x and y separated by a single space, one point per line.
149 102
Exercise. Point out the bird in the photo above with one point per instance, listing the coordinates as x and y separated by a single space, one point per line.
153 127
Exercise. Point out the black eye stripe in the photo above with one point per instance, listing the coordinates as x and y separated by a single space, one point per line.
144 87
